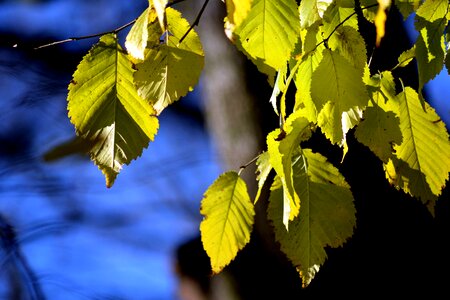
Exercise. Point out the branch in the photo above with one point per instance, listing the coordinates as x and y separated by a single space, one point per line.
241 168
87 36
196 21
72 39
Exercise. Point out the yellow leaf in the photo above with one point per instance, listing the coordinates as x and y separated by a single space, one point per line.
380 19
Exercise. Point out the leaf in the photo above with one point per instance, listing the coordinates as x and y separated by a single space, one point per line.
447 61
281 146
380 19
433 10
278 87
406 57
407 7
228 220
263 169
312 11
339 93
170 70
410 180
160 8
338 12
136 40
105 108
379 131
237 11
430 49
350 44
303 100
327 216
269 33
425 147
369 9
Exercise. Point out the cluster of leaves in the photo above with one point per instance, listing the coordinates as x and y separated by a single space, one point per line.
116 95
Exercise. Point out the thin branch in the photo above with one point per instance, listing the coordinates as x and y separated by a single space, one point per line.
196 21
241 168
72 39
325 40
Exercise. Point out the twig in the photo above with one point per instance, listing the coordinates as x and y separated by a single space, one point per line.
241 168
196 21
87 36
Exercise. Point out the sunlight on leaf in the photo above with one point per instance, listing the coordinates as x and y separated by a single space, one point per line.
237 11
312 11
380 19
105 108
327 216
228 221
425 148
340 95
269 33
170 70
281 146
263 169
160 7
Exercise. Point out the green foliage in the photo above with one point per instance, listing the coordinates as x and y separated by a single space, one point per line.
327 215
116 95
228 221
105 108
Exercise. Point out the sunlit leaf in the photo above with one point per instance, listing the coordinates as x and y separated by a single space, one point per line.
105 108
263 169
170 69
269 33
430 49
379 131
337 13
380 19
339 93
425 148
432 10
312 11
237 11
369 9
349 43
406 57
228 219
281 146
160 7
303 100
136 40
327 216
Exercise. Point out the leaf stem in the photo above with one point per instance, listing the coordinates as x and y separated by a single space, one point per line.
241 168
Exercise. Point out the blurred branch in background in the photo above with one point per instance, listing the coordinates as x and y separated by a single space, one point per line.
22 280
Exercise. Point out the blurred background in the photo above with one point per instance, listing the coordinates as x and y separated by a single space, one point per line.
63 234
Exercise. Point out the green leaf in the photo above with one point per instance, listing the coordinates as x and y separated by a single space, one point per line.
406 57
340 95
170 69
425 147
432 10
281 146
327 216
369 9
237 11
228 220
263 169
447 61
338 12
379 131
430 49
303 100
312 11
382 91
136 40
349 43
105 108
407 7
269 33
